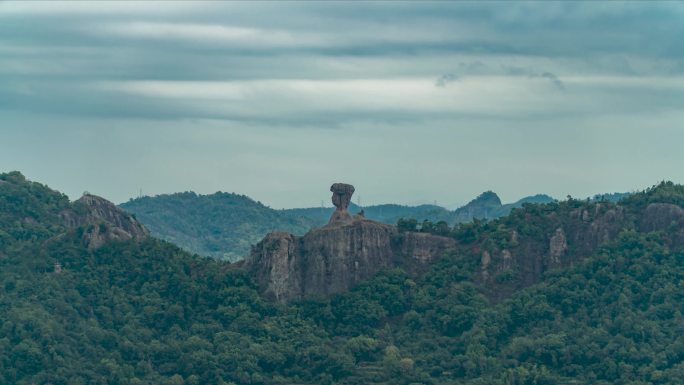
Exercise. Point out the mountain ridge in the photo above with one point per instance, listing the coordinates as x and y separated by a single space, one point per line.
143 311
193 222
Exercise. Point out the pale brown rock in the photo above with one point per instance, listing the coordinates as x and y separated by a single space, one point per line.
664 217
514 237
341 197
323 261
275 262
102 221
424 247
507 259
336 257
342 194
558 244
661 216
485 260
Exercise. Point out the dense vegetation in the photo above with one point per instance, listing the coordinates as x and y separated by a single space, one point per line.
486 206
224 225
149 313
220 225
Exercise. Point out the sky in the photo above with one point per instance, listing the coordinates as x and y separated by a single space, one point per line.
412 102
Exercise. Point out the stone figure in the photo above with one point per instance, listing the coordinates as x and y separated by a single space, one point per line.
342 194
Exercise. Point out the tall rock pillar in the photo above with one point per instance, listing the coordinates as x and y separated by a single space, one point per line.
341 197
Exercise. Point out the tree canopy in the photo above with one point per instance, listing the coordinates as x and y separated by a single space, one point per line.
147 312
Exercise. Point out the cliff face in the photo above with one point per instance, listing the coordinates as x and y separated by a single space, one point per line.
521 260
664 217
102 221
336 257
486 205
349 249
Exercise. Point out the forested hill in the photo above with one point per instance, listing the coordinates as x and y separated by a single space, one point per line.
220 225
225 225
486 206
385 213
142 311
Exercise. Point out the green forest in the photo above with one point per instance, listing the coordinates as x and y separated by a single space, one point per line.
225 225
147 312
221 225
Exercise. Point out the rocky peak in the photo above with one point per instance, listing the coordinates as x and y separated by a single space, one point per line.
486 205
341 197
487 198
101 221
348 250
664 217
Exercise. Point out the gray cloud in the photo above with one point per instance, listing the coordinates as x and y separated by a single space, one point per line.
285 74
554 80
52 62
445 79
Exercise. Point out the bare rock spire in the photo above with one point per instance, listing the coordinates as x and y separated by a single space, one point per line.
341 197
342 194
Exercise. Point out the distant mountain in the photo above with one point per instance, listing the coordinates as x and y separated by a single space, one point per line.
226 225
486 206
30 211
385 213
221 225
610 197
570 292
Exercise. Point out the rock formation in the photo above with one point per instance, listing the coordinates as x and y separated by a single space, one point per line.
337 256
661 216
568 238
558 245
101 221
341 197
422 247
664 217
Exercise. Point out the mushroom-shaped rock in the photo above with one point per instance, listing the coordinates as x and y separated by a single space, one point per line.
335 257
341 197
342 194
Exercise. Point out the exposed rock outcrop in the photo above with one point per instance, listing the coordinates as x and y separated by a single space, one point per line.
276 262
101 221
522 261
661 216
341 197
423 247
337 256
342 194
558 245
485 260
333 259
664 217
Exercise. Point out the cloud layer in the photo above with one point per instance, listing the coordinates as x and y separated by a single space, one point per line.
413 86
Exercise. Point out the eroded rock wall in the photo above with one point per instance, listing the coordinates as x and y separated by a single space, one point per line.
334 258
102 221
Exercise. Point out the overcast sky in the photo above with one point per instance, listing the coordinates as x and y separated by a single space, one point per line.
410 102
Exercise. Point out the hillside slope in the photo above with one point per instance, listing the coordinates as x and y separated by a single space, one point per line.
142 311
220 225
225 225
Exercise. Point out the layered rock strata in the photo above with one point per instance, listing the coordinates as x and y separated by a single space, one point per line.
337 256
101 221
334 258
